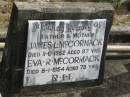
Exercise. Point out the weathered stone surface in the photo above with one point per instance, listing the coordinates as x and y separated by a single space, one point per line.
58 0
120 30
119 34
125 1
116 84
14 58
64 7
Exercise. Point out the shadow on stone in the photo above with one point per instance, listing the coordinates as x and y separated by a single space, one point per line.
118 85
128 66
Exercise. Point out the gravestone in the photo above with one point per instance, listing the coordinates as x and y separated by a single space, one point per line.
59 44
63 51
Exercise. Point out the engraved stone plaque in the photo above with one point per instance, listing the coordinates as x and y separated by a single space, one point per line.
61 51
